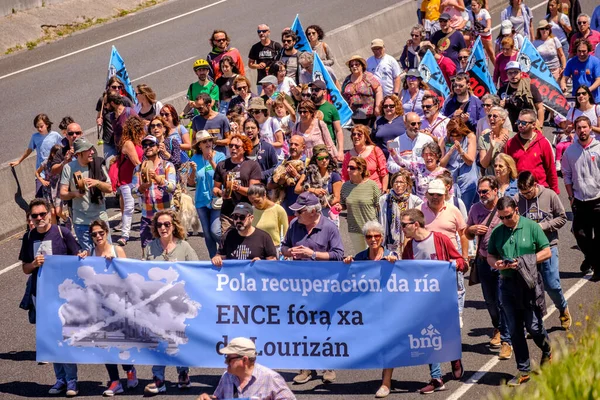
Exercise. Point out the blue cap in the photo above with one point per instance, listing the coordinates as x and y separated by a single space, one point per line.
304 200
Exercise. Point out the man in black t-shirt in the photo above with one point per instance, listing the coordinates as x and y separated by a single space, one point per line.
45 240
448 40
245 242
519 94
263 53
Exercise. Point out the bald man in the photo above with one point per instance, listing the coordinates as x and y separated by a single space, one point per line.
263 53
65 156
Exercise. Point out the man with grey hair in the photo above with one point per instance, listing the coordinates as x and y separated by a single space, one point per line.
385 68
263 53
584 31
311 236
246 378
306 61
407 147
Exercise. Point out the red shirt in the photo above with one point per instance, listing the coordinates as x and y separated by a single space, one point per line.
593 38
448 68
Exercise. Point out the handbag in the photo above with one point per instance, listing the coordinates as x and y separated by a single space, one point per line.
474 275
216 203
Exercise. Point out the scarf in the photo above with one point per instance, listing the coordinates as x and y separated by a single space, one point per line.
396 204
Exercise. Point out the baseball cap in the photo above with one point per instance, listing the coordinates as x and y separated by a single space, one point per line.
150 138
512 65
436 186
80 145
413 72
506 27
304 200
377 43
243 208
318 84
445 17
240 346
269 79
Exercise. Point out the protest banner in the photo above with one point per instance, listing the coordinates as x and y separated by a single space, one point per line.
302 44
318 315
481 81
432 75
116 66
320 73
533 64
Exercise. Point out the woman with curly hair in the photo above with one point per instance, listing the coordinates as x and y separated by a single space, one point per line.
460 150
390 125
324 181
315 35
129 158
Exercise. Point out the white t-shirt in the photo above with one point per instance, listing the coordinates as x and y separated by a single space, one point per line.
549 51
385 69
286 86
409 150
267 132
557 31
425 249
482 17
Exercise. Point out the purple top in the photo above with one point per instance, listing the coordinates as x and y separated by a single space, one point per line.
324 237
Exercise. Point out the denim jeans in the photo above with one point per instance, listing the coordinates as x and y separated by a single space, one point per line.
490 278
66 372
435 370
128 206
460 286
158 371
517 317
550 274
113 371
211 227
82 232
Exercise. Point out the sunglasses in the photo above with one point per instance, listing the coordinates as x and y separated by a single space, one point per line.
355 65
463 57
322 158
288 41
42 215
369 237
389 106
116 87
426 106
487 105
411 78
161 224
165 115
581 94
238 217
506 217
523 123
305 95
483 191
230 359
254 112
147 145
262 30
300 212
405 224
74 133
351 168
303 112
415 123
581 22
494 116
159 125
356 134
416 36
98 233
235 146
219 40
311 33
241 88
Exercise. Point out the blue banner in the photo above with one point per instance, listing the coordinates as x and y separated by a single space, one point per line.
477 66
310 315
320 73
116 66
432 75
302 44
533 64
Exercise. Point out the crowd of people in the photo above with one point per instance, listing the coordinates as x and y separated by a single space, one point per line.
468 179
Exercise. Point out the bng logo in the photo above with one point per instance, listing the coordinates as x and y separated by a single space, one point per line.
430 339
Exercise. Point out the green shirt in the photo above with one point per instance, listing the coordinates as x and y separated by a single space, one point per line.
330 115
211 88
507 244
362 202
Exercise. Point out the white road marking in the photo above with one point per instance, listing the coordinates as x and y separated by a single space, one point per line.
113 39
487 367
163 69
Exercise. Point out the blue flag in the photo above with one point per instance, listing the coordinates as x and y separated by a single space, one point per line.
116 66
302 44
300 314
320 73
432 75
481 80
533 64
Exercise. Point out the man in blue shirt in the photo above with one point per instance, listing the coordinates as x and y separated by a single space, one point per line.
463 104
583 70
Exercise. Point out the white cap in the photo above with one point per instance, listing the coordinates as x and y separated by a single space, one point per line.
436 186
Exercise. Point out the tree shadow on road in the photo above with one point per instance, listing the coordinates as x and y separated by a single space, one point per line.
476 304
26 355
358 388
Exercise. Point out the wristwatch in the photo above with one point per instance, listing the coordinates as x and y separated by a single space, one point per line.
314 256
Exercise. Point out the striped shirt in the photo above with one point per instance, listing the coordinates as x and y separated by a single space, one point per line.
156 197
264 384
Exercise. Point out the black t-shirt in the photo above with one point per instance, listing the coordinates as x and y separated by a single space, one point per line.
225 87
514 104
49 243
237 247
242 172
266 54
108 117
450 46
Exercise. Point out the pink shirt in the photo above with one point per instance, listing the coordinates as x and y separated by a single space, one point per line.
448 221
376 164
316 134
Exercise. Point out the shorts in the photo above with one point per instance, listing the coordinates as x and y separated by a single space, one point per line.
486 38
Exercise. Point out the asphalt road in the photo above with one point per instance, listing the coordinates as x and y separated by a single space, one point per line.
60 87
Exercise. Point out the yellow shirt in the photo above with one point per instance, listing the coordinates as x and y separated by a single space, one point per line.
273 220
431 9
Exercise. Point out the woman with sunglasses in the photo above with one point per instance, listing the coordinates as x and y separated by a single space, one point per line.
204 163
363 147
270 130
312 129
409 59
242 88
168 149
412 92
391 206
130 157
505 170
390 125
463 58
550 49
488 101
147 107
362 91
360 197
493 140
324 181
225 82
104 116
103 248
374 234
169 244
315 35
169 113
460 152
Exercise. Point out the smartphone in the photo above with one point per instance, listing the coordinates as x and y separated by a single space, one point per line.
393 145
509 261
